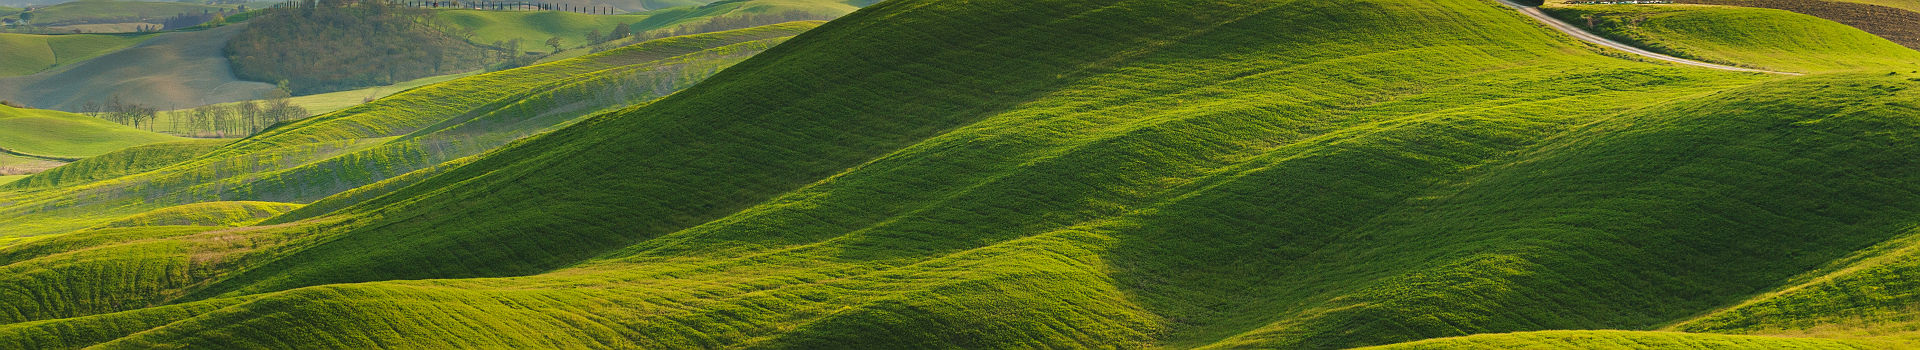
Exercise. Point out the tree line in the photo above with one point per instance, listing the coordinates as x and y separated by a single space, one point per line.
236 119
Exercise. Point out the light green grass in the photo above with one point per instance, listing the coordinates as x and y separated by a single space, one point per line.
316 104
132 160
533 28
7 179
67 135
230 214
1751 37
22 54
1637 340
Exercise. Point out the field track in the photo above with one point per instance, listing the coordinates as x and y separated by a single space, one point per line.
1583 35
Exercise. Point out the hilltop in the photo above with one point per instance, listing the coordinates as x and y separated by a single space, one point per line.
1031 174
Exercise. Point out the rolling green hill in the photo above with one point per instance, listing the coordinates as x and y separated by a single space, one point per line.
22 54
1759 38
107 11
1638 340
67 135
534 27
230 214
1075 174
168 70
417 129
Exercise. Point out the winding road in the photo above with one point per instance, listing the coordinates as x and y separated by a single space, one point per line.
1583 35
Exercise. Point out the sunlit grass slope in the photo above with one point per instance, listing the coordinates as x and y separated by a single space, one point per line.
1079 174
320 156
131 160
1238 187
231 214
67 135
1637 340
533 28
115 9
22 54
1751 37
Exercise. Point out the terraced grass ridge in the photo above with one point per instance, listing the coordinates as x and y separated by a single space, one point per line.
1024 174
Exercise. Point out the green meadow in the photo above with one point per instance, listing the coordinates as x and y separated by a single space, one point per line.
58 134
22 54
1291 174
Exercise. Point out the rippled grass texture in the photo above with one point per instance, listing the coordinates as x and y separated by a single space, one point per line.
1081 173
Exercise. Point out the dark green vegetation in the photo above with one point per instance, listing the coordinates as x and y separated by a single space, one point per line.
1079 173
317 47
1757 38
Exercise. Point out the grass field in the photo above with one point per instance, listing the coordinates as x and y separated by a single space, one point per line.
22 54
170 70
1751 37
533 28
1640 340
315 104
1892 23
67 135
1025 174
97 10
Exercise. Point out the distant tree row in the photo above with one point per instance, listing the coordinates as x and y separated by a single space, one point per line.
244 118
120 111
317 46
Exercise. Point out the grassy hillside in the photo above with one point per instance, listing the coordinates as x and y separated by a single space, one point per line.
1636 340
324 155
533 28
1889 22
22 54
67 135
1750 37
128 161
1382 172
230 214
169 70
106 11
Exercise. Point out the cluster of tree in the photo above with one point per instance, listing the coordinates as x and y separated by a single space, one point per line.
317 46
244 118
123 112
185 20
